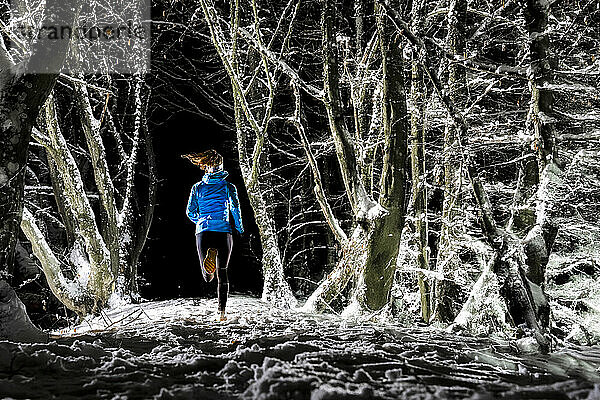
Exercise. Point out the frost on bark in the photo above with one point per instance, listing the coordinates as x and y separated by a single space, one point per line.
68 293
252 125
369 256
124 237
352 256
21 97
103 249
525 301
448 263
100 282
527 220
384 241
417 156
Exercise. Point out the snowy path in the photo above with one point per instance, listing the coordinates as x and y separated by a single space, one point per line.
173 349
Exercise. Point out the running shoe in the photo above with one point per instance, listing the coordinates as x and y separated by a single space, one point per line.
210 261
220 317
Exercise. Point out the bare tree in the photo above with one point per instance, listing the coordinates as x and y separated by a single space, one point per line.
22 94
525 300
370 254
419 181
104 254
447 258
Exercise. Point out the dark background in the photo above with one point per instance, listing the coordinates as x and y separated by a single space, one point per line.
170 266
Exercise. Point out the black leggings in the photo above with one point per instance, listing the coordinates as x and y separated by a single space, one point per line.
223 242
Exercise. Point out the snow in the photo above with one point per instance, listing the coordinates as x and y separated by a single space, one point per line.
174 349
14 321
572 272
3 177
79 260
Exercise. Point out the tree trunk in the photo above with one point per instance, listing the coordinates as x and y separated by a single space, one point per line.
276 289
369 255
91 128
384 238
419 195
92 294
448 263
539 120
81 302
22 95
526 221
524 301
352 259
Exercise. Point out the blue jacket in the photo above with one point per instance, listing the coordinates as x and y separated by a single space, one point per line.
210 202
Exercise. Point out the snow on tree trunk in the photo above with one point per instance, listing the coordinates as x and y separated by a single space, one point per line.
369 256
91 129
101 249
71 294
526 219
485 310
97 257
350 265
276 290
21 98
448 263
383 241
417 152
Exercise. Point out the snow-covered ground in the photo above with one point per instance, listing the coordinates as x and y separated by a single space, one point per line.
175 349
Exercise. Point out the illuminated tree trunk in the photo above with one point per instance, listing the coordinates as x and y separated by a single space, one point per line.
529 220
417 152
369 256
103 251
22 95
384 240
446 290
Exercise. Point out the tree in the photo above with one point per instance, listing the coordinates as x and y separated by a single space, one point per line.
370 254
526 301
417 152
22 95
447 258
104 252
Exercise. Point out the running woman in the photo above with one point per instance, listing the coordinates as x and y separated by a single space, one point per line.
211 202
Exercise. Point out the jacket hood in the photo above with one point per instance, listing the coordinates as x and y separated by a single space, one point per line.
214 177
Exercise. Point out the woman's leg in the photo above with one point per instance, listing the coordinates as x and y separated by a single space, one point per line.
202 245
225 246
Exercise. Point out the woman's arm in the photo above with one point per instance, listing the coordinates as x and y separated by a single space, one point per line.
234 207
193 212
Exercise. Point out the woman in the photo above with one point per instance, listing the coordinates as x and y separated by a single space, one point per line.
211 202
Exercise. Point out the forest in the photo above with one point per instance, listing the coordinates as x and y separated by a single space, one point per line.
419 183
